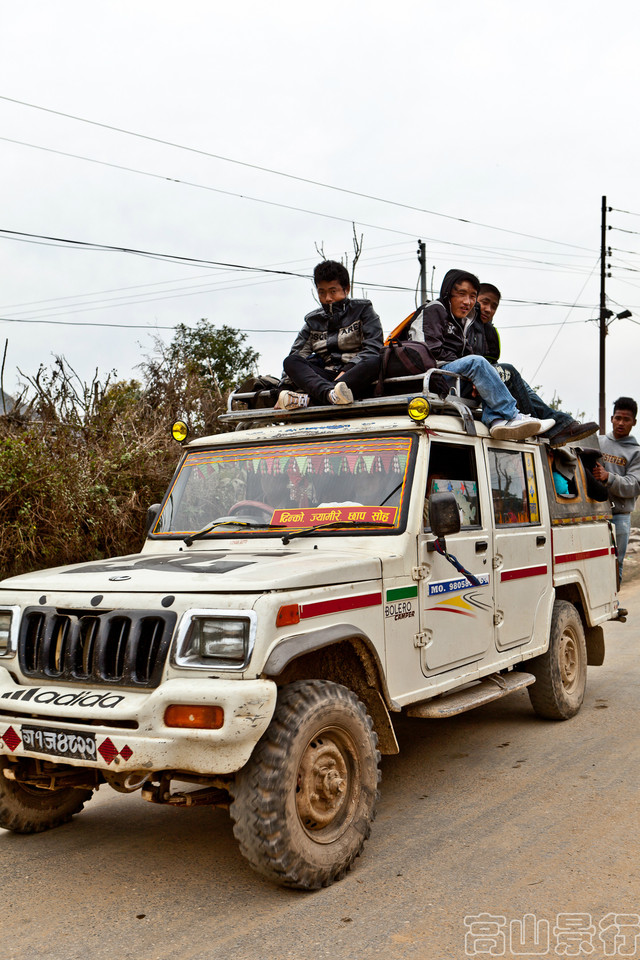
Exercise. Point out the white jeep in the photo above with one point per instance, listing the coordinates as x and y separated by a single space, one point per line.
304 579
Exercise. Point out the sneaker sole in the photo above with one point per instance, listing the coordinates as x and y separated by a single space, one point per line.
344 397
520 432
574 438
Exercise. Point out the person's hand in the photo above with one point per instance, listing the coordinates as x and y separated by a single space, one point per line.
600 473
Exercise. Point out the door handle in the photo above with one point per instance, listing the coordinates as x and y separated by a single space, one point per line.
481 546
540 541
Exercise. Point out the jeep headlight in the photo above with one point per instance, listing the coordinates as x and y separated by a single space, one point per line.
214 641
6 645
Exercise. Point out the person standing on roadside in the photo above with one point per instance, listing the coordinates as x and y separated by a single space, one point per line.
620 469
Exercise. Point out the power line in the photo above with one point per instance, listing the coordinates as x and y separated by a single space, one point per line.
199 186
617 210
289 176
203 186
147 296
290 332
132 326
566 320
273 203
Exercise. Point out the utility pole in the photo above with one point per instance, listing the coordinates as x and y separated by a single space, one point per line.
422 260
604 314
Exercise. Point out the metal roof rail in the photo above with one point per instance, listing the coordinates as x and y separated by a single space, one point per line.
453 403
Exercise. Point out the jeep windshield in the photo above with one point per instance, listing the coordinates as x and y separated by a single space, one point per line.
337 485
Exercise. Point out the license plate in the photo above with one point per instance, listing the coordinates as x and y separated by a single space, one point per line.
59 743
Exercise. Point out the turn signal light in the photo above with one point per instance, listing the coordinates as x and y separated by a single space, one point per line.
196 716
288 614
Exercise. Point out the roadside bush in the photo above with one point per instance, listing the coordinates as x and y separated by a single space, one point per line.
81 462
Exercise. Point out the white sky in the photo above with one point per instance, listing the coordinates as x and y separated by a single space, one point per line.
516 116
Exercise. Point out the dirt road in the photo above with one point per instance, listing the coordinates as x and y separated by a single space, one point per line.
495 812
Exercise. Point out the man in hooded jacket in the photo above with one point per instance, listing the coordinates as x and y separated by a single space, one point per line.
441 326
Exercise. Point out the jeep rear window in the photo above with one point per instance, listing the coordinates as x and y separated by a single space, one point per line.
292 485
513 487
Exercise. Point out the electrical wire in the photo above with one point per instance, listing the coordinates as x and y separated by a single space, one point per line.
289 176
629 212
229 193
548 350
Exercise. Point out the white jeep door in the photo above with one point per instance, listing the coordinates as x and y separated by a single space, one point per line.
522 546
456 618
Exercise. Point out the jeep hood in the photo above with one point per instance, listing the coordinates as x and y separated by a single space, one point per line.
211 571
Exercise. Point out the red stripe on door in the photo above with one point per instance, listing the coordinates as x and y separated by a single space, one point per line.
523 573
583 555
323 607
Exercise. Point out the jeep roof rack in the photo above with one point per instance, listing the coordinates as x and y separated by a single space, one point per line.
453 404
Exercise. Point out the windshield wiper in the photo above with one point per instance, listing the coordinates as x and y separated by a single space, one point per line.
334 524
227 522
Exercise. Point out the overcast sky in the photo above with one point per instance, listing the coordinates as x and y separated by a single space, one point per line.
516 117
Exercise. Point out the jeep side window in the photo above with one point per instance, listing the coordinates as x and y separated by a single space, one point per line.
514 489
452 469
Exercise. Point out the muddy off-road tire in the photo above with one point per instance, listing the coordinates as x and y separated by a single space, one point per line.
25 809
305 801
561 672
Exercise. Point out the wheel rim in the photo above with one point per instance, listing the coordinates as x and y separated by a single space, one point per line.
569 661
328 785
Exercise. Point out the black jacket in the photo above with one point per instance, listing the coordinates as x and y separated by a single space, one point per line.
348 333
482 338
438 328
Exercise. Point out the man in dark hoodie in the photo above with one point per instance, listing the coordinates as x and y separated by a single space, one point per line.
336 355
483 338
441 326
620 470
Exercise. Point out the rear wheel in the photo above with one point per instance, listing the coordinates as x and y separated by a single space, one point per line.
28 809
305 801
561 672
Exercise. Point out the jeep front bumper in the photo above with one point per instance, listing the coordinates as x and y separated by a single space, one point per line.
124 731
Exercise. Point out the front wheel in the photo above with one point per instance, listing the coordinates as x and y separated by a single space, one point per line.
561 672
27 809
305 801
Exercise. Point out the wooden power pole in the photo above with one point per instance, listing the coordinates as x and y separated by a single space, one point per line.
422 260
604 313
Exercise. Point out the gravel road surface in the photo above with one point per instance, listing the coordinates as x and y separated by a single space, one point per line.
495 812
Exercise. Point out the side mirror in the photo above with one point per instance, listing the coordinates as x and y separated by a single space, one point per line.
152 516
444 515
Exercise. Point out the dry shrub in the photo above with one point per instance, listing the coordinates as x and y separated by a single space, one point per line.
81 462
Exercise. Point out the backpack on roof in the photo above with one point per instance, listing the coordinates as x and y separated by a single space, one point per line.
402 357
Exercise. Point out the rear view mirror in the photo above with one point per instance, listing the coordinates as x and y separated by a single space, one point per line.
152 515
444 515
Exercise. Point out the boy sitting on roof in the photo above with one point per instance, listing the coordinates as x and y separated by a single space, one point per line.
483 338
441 326
336 355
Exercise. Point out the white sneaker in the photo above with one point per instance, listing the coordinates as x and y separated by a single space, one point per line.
546 425
340 393
521 427
288 400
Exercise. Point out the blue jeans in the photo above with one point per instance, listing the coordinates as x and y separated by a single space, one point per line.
528 400
497 402
622 526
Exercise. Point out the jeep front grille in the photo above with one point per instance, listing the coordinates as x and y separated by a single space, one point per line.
123 647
